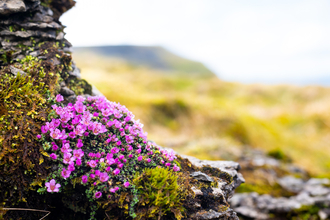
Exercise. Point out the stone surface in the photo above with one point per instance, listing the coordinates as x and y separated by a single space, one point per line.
201 176
11 6
301 191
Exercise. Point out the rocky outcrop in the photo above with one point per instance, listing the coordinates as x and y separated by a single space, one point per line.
302 195
224 177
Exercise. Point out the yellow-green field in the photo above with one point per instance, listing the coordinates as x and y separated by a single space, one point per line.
212 119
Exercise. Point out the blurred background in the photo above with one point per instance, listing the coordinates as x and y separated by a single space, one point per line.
215 79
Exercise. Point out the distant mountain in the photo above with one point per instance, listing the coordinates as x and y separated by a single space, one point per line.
150 56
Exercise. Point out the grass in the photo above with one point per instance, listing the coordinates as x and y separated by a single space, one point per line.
213 119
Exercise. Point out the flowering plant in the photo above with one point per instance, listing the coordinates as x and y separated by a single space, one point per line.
99 143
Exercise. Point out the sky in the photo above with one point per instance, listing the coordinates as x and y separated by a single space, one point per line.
282 41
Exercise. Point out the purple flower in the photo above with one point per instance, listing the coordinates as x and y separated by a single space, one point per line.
118 143
126 184
148 160
52 186
97 172
95 114
97 195
168 164
71 167
44 129
53 156
121 157
92 163
113 190
176 168
103 177
59 98
92 176
38 136
55 147
110 161
139 158
67 158
65 173
78 153
108 169
138 151
130 156
114 150
116 171
78 162
72 134
84 179
80 143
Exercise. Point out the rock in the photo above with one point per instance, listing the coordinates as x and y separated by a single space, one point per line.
201 176
251 213
96 92
324 214
291 183
213 215
11 6
15 71
65 91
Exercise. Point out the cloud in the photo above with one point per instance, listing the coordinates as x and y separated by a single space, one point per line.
237 39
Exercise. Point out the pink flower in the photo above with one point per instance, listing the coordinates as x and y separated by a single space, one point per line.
38 136
78 162
110 161
114 150
52 186
92 163
108 169
113 190
67 158
126 184
118 143
92 176
84 179
176 168
138 151
130 156
80 143
168 164
121 157
78 153
59 98
71 167
53 156
55 147
97 195
65 173
72 134
148 160
109 156
116 171
56 134
44 129
66 148
103 177
97 172
139 158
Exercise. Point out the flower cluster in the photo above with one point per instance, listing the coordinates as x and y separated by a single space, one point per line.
100 142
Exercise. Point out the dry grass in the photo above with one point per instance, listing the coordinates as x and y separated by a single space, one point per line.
212 119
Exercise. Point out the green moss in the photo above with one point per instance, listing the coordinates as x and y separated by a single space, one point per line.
160 194
305 213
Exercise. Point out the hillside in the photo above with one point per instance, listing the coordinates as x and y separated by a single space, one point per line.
153 57
212 119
